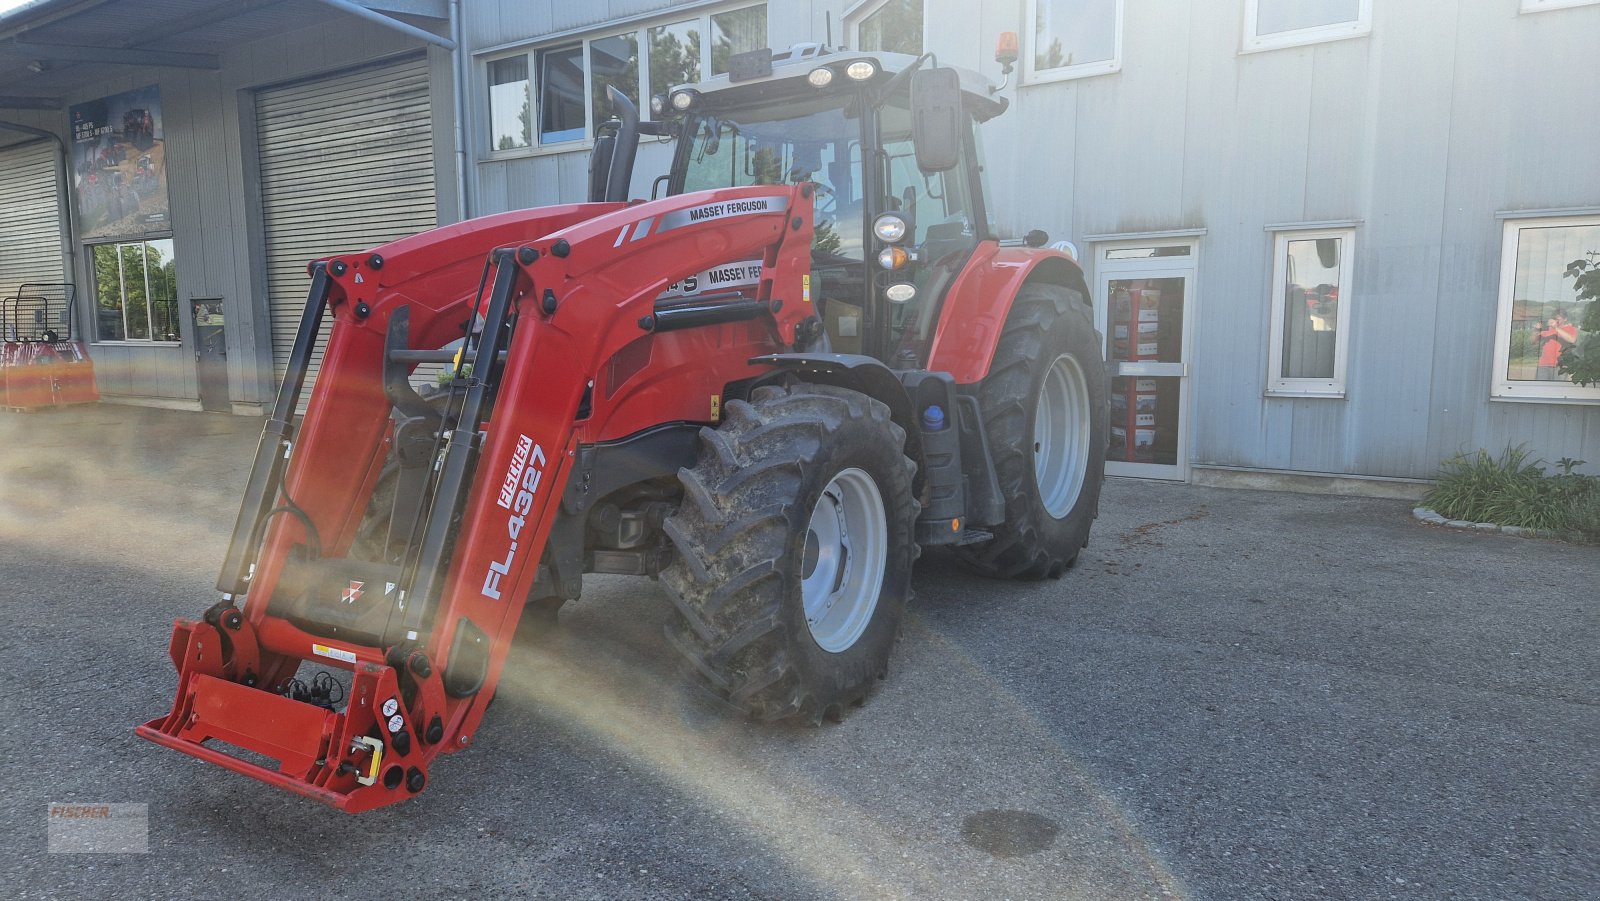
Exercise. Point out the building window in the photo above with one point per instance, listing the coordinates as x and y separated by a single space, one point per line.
738 31
1270 24
892 26
1539 307
561 109
1073 39
136 291
509 124
613 62
1534 6
1311 285
567 96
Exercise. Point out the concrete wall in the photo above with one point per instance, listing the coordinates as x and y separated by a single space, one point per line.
1448 114
216 223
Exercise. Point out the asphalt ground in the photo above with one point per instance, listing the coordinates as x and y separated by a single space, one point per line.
1235 694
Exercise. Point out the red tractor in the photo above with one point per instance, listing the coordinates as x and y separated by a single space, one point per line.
769 389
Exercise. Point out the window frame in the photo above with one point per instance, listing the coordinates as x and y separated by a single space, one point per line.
1361 26
640 27
1542 6
1519 390
1031 75
94 295
1279 385
859 11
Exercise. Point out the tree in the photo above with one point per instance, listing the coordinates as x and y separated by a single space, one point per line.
1582 360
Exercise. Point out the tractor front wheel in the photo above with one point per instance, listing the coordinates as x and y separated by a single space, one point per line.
794 552
1044 406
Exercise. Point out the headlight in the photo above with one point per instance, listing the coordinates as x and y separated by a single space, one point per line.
901 292
861 70
682 100
893 257
889 228
820 77
658 104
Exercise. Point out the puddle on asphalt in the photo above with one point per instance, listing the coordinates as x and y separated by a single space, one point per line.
1009 833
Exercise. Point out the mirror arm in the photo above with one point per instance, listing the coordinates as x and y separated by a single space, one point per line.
890 86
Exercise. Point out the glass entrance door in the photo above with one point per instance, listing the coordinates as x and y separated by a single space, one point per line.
1143 300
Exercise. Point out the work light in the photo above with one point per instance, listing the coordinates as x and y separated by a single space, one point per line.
820 77
861 70
900 292
889 228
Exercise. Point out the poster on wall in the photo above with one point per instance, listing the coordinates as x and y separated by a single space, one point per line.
119 172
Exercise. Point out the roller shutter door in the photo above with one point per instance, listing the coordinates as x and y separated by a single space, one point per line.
30 216
346 164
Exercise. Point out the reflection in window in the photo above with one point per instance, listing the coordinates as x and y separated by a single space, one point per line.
561 115
674 55
509 123
136 291
1311 308
738 31
614 61
1541 311
1311 311
895 27
1278 16
1288 23
1079 35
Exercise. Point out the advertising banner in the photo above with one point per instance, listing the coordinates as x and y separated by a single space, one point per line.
119 172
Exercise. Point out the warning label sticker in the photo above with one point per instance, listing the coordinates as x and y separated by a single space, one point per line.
322 650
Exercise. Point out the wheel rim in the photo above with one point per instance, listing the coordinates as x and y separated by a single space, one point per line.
1061 436
842 568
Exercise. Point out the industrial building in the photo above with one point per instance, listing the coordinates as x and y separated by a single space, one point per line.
1326 238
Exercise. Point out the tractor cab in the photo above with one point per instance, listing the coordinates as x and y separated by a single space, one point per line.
891 147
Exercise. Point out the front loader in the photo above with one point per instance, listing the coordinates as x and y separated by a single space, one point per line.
770 389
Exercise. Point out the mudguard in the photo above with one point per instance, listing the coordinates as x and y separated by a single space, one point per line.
976 306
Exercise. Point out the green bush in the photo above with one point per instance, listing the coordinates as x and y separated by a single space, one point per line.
1512 491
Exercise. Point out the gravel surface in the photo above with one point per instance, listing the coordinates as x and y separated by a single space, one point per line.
1235 694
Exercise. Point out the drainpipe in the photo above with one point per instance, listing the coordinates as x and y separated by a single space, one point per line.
460 67
63 200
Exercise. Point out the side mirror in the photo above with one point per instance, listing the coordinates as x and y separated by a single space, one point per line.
936 118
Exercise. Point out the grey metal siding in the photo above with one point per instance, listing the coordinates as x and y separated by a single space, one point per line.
1445 115
346 163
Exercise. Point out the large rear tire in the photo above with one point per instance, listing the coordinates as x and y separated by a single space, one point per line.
1044 405
795 544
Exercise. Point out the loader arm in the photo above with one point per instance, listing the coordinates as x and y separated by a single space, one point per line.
564 292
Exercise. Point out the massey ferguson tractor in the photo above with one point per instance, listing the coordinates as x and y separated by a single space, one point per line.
770 389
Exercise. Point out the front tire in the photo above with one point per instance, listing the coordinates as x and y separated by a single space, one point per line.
794 547
1045 407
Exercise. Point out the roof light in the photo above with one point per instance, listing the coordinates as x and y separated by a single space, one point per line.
861 70
682 100
820 77
889 228
900 292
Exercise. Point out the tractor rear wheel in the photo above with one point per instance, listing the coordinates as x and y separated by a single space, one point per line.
794 551
1044 406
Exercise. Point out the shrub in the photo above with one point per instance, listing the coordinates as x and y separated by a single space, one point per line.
1512 491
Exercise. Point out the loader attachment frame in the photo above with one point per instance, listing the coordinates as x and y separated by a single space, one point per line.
566 294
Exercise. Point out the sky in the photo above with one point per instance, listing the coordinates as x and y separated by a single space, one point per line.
7 5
